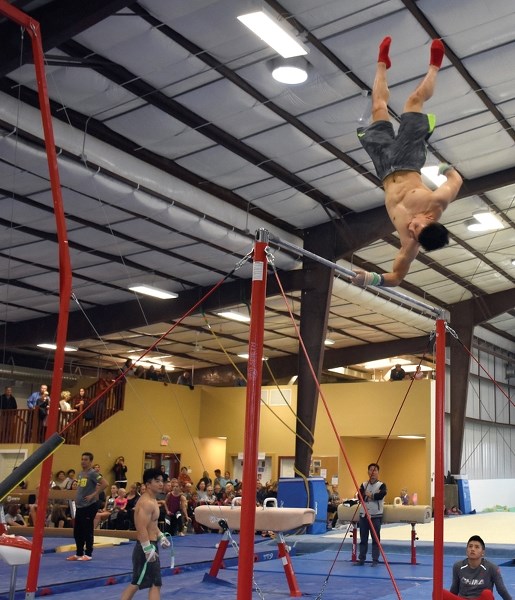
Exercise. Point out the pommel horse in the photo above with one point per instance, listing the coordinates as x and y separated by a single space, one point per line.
392 513
268 518
15 550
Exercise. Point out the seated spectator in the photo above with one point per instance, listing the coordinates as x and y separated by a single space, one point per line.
210 498
218 491
119 518
60 480
70 478
13 516
201 490
104 513
260 493
193 502
454 510
205 478
228 494
59 514
177 511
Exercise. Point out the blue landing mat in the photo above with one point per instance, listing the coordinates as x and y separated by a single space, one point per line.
110 571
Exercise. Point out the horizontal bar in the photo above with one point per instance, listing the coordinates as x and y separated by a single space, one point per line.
389 292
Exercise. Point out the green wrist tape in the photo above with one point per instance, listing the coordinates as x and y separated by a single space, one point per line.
376 279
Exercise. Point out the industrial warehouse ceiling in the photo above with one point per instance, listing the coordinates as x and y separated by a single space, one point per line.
175 145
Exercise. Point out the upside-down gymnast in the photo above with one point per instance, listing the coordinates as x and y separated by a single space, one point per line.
413 208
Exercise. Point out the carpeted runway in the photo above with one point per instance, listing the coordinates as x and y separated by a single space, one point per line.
322 565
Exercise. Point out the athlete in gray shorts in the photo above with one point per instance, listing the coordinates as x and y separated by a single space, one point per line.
404 152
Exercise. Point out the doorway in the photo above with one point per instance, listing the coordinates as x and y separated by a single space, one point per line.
171 462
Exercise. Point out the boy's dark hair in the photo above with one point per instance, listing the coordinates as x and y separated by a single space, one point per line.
433 236
476 538
89 455
149 474
373 465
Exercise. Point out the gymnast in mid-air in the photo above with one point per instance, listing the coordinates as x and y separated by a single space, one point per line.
413 208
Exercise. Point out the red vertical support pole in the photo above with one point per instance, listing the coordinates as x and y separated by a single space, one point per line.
439 460
253 405
219 557
414 539
65 276
284 555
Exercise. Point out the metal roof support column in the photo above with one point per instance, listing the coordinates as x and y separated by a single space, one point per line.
315 302
462 322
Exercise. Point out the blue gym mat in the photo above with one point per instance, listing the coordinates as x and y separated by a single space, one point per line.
322 566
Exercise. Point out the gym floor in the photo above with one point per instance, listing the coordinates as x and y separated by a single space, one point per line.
322 565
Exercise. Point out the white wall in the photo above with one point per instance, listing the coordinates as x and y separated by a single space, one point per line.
488 493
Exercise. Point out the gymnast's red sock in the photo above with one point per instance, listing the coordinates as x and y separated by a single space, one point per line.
437 53
384 49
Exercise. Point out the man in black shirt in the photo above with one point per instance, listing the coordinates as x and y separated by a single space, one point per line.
397 373
7 400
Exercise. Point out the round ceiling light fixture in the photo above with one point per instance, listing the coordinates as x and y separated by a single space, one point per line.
291 71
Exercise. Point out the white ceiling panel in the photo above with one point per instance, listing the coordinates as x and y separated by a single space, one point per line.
175 145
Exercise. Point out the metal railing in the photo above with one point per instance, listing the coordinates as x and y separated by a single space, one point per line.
28 426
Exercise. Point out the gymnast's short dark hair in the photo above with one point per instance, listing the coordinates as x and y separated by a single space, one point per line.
476 538
149 474
433 236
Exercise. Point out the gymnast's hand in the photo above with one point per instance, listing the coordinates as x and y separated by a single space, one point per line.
364 278
360 279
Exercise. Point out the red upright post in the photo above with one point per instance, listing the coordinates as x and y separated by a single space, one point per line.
250 451
439 460
65 277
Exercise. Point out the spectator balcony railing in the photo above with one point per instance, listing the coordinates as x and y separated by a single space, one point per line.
25 426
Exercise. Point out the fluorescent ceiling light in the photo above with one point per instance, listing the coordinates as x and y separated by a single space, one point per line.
149 290
412 437
246 356
385 363
268 29
234 316
432 174
54 347
488 219
329 342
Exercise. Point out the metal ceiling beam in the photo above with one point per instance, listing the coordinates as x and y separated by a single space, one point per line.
138 313
60 20
103 133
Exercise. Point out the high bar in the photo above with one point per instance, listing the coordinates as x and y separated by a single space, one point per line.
388 292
